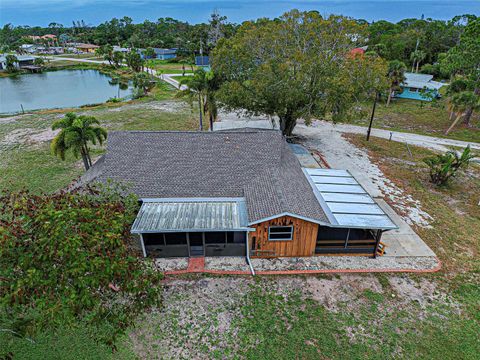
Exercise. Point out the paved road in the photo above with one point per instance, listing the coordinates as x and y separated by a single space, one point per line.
434 143
431 142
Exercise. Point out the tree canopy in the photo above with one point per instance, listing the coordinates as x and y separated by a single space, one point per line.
297 66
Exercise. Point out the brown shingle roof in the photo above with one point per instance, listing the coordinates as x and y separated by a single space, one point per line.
255 164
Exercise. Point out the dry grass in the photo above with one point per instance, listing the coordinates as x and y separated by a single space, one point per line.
455 232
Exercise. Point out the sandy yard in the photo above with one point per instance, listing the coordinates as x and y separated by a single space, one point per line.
204 317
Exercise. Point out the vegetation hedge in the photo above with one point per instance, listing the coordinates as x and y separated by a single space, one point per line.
66 258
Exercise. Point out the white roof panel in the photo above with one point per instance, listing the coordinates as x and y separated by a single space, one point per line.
348 189
345 201
348 198
317 179
372 209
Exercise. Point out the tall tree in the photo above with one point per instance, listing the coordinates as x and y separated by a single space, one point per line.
202 88
460 104
417 57
464 59
134 60
396 76
295 67
76 132
10 63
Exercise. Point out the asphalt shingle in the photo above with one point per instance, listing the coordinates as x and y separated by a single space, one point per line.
255 164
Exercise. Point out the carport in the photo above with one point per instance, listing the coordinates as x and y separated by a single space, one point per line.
182 227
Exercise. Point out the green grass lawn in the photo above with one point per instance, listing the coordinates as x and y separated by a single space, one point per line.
419 117
167 67
180 78
28 162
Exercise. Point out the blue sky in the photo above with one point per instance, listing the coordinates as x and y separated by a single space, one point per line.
42 12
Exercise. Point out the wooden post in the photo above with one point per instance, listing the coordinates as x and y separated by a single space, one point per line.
346 240
378 236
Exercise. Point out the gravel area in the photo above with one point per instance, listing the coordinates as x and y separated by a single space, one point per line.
227 263
322 263
345 263
169 264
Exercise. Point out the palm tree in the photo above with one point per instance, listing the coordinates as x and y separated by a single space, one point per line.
417 57
76 132
143 81
10 61
201 87
396 75
461 102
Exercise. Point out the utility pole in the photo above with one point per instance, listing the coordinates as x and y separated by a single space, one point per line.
373 114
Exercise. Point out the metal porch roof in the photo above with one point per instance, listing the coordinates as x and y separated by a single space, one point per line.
345 201
191 214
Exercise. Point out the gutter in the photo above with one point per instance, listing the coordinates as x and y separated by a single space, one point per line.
249 262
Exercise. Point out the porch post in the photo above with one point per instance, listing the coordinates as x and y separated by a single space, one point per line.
348 237
377 238
142 243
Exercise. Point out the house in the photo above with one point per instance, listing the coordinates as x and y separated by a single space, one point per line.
358 51
86 48
203 61
120 49
237 193
23 60
165 54
419 87
28 48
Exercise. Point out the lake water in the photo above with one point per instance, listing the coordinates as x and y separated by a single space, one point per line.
57 89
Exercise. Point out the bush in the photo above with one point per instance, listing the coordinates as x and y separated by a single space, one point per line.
67 257
445 166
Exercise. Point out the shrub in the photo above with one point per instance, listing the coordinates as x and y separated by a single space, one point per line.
67 257
445 166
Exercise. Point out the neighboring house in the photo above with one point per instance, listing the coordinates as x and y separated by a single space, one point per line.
88 48
359 50
203 61
121 49
23 60
237 193
419 87
165 54
29 48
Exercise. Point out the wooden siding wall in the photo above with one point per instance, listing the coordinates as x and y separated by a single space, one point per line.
303 243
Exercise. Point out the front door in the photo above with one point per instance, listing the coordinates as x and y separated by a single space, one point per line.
196 243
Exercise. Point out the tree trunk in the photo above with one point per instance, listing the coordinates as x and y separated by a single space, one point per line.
453 124
85 160
211 121
418 64
287 124
389 96
451 115
200 109
469 112
87 153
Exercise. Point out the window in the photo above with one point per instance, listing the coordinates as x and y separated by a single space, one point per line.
280 233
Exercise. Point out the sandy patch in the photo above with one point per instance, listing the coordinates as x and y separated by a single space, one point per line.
28 136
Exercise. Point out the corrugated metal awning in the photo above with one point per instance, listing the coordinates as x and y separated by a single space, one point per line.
191 214
345 201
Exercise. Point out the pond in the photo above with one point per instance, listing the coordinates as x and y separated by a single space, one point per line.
57 89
